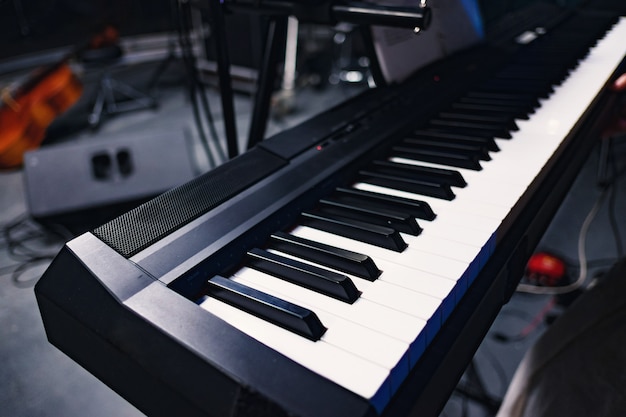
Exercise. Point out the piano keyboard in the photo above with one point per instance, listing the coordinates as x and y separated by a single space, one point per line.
348 266
370 344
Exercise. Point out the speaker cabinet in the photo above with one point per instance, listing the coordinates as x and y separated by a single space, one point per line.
86 183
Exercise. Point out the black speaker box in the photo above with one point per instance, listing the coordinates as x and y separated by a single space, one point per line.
85 183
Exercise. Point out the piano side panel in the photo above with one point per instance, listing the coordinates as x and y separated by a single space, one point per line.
113 367
104 340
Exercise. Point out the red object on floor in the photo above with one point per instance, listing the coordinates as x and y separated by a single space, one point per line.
545 269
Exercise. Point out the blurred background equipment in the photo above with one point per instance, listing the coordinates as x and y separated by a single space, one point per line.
83 184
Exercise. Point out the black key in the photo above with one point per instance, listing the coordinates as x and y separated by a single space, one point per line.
464 126
449 158
312 277
486 108
402 222
526 99
541 90
384 237
419 209
521 102
419 172
513 107
487 141
532 72
506 122
546 71
340 259
267 307
480 151
429 188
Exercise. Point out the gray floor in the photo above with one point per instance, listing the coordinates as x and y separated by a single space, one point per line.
39 380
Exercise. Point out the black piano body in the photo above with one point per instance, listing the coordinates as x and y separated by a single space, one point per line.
122 300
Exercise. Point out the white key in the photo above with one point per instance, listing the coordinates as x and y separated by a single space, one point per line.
393 323
440 207
351 336
437 288
441 246
414 264
445 267
360 376
397 275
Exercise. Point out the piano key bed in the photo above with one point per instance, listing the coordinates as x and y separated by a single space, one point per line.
319 273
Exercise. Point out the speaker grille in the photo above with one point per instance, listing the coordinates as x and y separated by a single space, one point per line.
137 229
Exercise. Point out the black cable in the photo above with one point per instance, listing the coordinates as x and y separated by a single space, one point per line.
20 270
16 236
464 406
503 337
612 182
211 122
476 391
456 404
497 367
192 81
13 241
215 14
200 88
612 203
614 225
536 321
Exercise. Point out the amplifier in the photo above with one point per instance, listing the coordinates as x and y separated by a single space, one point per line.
85 183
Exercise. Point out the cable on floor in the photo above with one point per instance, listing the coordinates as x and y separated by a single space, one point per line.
29 245
608 190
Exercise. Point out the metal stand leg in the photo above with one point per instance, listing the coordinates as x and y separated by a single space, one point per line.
284 101
223 69
275 42
21 18
107 103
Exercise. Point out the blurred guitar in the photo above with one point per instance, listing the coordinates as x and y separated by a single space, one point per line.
27 110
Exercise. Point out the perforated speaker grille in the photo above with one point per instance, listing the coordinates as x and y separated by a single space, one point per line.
139 228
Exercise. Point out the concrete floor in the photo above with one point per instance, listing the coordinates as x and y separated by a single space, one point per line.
39 380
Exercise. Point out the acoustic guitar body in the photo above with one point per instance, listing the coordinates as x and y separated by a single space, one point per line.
25 118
